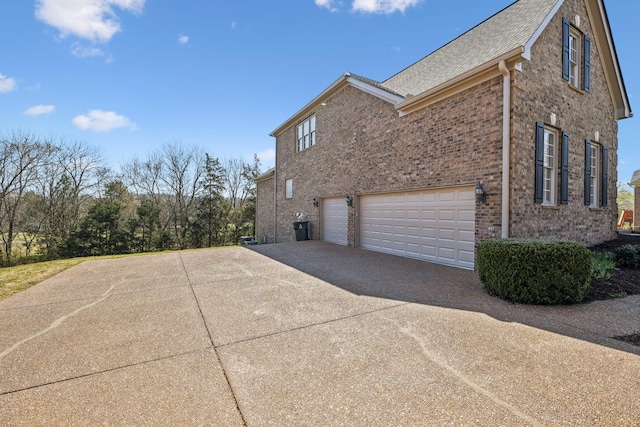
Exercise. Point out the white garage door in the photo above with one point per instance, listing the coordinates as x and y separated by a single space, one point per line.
334 220
433 225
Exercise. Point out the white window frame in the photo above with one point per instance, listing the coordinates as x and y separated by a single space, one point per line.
288 189
550 169
575 57
595 175
306 133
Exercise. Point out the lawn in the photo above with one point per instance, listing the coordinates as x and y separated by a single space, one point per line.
21 277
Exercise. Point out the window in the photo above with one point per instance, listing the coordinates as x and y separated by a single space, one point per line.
288 189
593 178
596 176
306 134
552 159
576 57
549 172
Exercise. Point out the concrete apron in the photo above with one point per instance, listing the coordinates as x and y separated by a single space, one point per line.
306 333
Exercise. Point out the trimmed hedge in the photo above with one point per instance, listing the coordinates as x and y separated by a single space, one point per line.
535 271
628 256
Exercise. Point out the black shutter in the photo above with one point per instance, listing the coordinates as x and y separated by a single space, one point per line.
605 176
565 48
539 173
564 170
587 172
587 64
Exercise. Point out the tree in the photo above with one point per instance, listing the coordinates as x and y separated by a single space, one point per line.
625 199
212 205
21 157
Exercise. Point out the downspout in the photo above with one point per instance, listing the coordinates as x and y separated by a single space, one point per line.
506 145
275 201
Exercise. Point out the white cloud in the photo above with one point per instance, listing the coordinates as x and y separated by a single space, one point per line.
102 121
267 157
182 39
39 110
329 4
233 25
7 84
84 52
93 20
382 6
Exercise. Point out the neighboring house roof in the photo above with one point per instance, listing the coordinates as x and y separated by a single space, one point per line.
635 180
505 32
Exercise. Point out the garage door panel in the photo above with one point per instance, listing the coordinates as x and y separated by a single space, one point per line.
434 225
334 221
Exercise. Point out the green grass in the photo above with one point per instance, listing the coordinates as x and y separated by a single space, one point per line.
21 277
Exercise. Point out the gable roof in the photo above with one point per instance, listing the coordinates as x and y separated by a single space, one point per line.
506 33
635 180
475 56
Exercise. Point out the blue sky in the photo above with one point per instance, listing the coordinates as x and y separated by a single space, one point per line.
129 75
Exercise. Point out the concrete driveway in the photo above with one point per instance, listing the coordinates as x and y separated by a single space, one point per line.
306 334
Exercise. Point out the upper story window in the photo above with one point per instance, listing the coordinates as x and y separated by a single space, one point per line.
306 134
576 57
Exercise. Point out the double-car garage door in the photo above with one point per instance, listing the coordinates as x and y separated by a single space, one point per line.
432 225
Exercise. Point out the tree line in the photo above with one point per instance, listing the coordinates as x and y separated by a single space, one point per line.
58 199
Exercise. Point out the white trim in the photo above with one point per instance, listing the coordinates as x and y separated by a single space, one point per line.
340 83
506 146
375 91
414 103
529 44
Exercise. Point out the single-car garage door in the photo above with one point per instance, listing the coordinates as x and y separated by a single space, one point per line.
432 225
334 220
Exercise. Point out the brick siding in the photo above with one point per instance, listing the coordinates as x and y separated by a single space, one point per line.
364 147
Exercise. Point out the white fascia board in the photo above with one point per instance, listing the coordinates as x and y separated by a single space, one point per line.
336 86
625 111
405 107
375 91
527 47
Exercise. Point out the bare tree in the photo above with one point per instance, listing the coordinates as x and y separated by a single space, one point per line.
182 170
21 157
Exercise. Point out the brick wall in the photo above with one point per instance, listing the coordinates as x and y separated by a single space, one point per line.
364 147
539 91
265 211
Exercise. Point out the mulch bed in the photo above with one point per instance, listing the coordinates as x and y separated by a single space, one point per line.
623 282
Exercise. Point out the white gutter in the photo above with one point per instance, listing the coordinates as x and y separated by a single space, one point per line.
506 145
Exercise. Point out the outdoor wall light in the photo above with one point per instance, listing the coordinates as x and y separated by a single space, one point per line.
349 200
315 202
481 195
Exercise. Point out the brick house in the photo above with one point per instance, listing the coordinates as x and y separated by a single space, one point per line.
532 94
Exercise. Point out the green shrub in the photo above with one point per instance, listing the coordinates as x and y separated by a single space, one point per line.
628 256
535 271
601 265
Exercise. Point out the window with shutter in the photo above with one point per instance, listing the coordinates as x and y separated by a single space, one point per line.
546 171
564 171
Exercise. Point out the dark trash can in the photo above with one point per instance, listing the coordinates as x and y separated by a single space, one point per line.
302 230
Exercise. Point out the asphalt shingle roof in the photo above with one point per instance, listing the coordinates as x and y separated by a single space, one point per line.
503 32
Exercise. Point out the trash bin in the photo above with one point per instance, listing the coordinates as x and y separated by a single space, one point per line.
302 230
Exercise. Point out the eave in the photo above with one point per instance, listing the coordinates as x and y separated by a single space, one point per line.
460 83
345 80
